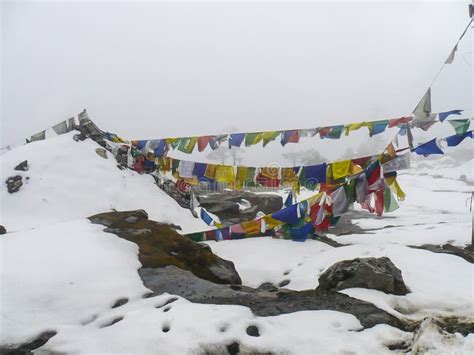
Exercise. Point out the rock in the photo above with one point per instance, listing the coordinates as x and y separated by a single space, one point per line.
14 183
252 331
267 300
227 206
121 155
466 253
23 166
374 273
2 230
160 246
101 152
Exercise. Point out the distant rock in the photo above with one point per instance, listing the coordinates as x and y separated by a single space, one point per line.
160 246
14 183
373 273
23 166
2 230
101 152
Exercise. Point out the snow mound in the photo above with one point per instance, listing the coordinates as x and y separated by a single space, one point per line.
67 180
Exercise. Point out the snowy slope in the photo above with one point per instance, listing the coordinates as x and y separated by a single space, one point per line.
59 272
68 180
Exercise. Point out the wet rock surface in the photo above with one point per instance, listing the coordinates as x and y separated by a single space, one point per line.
267 300
23 166
227 205
160 245
14 183
465 253
373 273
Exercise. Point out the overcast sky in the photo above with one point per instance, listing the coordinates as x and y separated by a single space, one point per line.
158 69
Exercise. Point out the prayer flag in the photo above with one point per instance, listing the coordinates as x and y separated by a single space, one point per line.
269 136
225 173
428 148
186 145
335 132
252 139
236 139
460 126
377 127
206 217
287 215
60 128
353 127
396 121
340 169
456 139
202 142
443 115
290 137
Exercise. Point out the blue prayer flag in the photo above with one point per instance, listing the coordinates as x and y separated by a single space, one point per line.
456 139
287 215
199 170
236 139
289 199
443 115
316 173
378 127
161 149
206 217
141 144
428 148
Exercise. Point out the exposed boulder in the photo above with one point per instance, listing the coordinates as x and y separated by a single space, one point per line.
2 230
267 300
227 206
160 246
14 183
374 273
101 152
23 166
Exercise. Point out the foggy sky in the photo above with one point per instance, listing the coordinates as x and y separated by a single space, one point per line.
160 69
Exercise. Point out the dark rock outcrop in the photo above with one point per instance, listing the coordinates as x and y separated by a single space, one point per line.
23 166
2 230
465 253
267 300
14 183
160 245
226 205
374 273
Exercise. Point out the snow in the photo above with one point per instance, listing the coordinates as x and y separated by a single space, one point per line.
60 272
68 180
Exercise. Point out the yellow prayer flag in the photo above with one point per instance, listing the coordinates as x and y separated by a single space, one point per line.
242 172
210 172
270 222
225 173
395 187
251 227
341 169
353 127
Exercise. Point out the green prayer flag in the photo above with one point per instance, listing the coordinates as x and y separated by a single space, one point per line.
174 165
460 126
252 138
186 145
335 132
197 237
390 202
250 178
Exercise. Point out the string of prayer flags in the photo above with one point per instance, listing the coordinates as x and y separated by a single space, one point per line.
443 115
460 126
428 148
186 145
456 139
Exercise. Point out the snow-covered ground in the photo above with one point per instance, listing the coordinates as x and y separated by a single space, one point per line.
59 272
